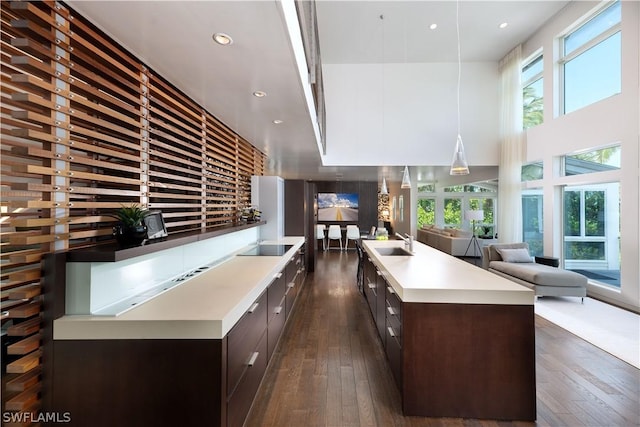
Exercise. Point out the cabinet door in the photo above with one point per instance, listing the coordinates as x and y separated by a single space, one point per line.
243 339
394 355
381 308
240 401
371 294
275 294
276 311
393 349
276 326
290 296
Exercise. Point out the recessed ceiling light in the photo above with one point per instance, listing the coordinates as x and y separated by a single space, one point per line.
223 39
503 25
277 121
259 94
433 26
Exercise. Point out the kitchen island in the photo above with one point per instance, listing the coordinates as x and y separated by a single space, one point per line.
192 355
460 341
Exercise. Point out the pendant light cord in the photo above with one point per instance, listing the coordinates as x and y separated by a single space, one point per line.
459 60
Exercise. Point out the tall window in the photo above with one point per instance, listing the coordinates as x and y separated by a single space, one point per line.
532 221
591 60
532 93
426 211
592 231
486 227
453 212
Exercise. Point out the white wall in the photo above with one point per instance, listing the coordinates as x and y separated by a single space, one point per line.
413 120
612 120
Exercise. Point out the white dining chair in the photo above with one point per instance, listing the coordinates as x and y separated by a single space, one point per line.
353 233
320 235
334 234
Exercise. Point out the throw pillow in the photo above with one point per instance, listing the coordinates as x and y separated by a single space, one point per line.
515 255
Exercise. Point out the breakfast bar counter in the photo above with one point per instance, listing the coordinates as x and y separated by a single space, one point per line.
460 341
430 275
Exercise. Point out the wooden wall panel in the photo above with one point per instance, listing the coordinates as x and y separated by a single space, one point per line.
85 128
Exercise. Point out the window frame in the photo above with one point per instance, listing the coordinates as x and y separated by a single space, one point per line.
566 58
537 56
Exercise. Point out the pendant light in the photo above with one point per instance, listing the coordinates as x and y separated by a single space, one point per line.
459 165
384 189
406 182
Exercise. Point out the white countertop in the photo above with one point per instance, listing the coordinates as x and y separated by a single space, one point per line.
204 307
433 276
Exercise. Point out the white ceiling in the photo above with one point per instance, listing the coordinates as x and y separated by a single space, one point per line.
174 39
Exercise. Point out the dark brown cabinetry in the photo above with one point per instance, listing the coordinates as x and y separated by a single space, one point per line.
374 289
453 359
294 274
393 332
169 382
276 311
242 342
247 357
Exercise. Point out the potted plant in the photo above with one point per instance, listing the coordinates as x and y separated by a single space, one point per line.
131 229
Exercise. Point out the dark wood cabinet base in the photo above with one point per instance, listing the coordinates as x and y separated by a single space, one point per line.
140 382
469 361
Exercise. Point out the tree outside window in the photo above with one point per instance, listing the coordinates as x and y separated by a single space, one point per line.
426 212
453 212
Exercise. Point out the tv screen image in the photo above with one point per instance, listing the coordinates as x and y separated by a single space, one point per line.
337 207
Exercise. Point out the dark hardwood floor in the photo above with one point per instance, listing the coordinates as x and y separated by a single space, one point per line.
329 368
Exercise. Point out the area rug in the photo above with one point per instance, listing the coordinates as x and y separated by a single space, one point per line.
612 329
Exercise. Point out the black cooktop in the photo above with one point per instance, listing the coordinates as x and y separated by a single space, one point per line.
267 250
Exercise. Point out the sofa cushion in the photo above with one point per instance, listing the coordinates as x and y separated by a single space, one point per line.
493 249
514 255
538 274
460 233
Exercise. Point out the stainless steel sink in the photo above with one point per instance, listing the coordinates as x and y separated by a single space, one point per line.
395 251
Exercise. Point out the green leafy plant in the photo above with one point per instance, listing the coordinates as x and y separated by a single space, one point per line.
131 216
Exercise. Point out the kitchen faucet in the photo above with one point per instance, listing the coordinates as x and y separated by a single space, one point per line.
408 241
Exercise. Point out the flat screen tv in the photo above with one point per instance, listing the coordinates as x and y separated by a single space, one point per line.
337 207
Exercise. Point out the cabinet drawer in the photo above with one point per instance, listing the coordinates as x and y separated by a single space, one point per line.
240 401
291 269
370 292
394 356
275 294
243 339
276 325
393 314
292 293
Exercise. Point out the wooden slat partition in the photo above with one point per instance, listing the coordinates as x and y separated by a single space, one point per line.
87 127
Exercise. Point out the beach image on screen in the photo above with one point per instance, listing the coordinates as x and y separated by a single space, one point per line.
337 207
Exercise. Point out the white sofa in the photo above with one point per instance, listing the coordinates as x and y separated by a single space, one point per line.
543 279
451 241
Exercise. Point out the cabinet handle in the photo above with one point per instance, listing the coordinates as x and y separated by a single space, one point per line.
372 285
291 284
277 310
391 311
278 275
390 289
252 359
253 307
391 333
